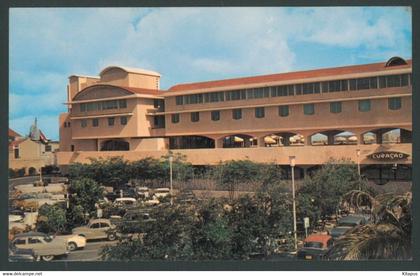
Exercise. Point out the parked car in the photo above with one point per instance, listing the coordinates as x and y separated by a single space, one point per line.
161 193
74 242
97 229
21 254
143 192
315 247
42 244
347 223
125 202
132 219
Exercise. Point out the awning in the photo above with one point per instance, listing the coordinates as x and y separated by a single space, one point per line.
238 139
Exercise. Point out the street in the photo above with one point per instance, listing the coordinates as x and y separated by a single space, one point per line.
90 253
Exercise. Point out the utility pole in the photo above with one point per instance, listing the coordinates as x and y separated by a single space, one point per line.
170 178
292 165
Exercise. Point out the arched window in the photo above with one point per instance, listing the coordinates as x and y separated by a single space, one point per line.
115 145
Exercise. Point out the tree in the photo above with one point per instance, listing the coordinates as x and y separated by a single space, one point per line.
233 173
388 237
168 238
211 233
112 171
52 219
85 193
322 192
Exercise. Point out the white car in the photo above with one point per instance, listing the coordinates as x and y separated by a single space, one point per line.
161 193
125 201
74 242
143 192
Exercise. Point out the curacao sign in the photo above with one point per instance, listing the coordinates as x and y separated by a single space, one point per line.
388 156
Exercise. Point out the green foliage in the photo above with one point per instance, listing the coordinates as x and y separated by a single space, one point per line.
85 193
52 219
112 171
233 173
321 193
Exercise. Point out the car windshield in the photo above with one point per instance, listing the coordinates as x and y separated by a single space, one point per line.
313 244
351 224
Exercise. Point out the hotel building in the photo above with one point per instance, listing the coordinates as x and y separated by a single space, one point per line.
360 112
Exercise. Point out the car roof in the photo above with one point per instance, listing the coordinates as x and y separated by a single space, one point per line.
125 198
318 238
162 189
30 234
99 220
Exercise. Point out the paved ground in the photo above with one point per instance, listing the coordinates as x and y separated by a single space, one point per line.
90 253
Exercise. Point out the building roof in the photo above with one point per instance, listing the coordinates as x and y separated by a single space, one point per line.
325 72
131 70
13 133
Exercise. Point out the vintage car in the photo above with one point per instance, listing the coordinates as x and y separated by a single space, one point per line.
143 192
43 245
347 223
97 229
74 242
20 254
161 193
125 202
315 247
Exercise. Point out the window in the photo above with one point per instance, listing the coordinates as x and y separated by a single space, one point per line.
404 80
83 123
308 109
72 148
284 111
111 121
110 105
214 97
33 240
364 105
310 88
122 103
393 81
259 112
175 118
195 116
344 85
16 151
394 103
193 99
382 82
179 100
95 122
82 107
20 241
334 86
298 89
236 95
104 224
123 120
215 115
335 107
48 148
237 114
159 121
373 82
324 86
353 84
68 124
95 225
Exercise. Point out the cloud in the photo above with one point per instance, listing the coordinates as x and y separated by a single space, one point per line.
187 45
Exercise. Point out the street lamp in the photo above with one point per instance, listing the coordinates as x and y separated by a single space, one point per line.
358 165
171 159
292 165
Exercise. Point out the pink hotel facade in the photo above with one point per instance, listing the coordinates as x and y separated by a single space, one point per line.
361 112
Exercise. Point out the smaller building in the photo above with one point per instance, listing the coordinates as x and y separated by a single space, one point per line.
31 153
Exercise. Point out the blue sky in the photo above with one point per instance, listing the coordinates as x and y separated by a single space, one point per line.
185 45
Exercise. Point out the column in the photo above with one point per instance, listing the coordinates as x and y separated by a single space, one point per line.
218 143
261 142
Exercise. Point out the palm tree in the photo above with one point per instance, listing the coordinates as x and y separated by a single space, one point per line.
387 237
